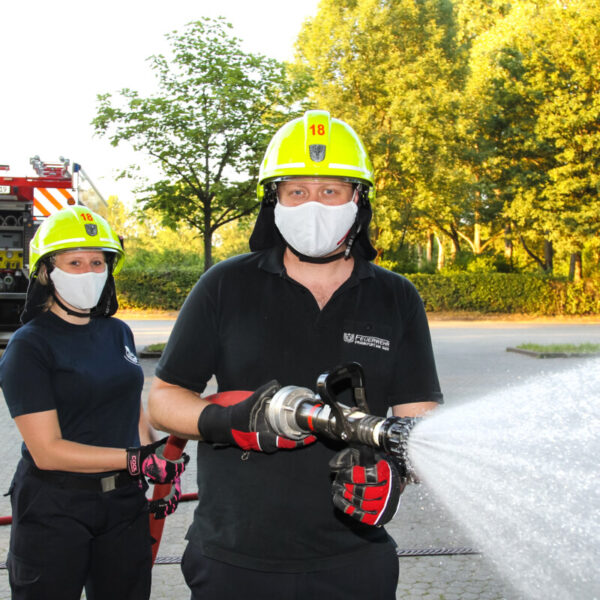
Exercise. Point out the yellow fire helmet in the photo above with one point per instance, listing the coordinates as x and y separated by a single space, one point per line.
315 145
74 228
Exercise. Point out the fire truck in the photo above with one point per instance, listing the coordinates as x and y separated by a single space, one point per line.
24 204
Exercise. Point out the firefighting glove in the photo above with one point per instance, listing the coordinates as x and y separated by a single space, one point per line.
166 506
150 461
366 485
245 424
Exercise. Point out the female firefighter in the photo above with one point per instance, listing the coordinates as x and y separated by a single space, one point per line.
72 382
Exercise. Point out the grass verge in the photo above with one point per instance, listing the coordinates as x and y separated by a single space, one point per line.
585 348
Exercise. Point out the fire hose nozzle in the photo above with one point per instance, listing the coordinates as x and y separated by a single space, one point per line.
284 407
297 412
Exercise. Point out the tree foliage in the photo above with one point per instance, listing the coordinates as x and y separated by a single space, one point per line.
205 128
482 116
537 79
396 71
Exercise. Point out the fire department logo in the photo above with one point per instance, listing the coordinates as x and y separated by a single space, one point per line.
91 229
370 341
131 356
317 152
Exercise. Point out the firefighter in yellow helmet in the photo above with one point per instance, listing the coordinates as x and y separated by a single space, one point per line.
74 228
281 517
72 382
315 148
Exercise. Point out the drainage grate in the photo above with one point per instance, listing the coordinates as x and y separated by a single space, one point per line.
435 551
401 552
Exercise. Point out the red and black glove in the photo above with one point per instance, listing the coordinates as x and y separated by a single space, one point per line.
367 485
245 424
166 506
150 461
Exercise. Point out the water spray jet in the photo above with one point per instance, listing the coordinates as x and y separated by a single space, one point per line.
518 471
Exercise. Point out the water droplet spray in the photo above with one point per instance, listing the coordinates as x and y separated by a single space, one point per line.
518 470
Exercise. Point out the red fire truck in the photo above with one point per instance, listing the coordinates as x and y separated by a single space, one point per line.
24 203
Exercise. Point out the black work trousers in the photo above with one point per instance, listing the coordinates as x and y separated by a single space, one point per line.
372 578
63 540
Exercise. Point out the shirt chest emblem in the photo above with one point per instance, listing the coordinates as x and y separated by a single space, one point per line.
131 356
370 341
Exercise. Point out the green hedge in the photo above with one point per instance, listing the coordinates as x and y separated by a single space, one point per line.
508 293
519 293
164 289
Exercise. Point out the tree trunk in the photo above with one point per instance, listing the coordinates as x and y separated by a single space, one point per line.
441 259
575 269
508 244
419 255
548 256
455 241
538 260
477 238
429 255
207 235
207 251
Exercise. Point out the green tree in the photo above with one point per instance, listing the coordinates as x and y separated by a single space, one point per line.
205 129
396 71
148 243
534 89
569 42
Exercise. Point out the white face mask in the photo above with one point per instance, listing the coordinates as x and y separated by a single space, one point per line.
315 229
80 290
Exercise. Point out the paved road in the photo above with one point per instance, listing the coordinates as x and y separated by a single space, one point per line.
472 362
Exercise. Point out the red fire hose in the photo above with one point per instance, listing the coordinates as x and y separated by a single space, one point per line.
173 451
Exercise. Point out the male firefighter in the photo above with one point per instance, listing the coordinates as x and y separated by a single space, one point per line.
277 518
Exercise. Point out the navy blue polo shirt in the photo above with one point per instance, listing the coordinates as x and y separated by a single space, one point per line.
247 322
89 374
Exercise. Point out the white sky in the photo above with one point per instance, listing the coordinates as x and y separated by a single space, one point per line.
56 56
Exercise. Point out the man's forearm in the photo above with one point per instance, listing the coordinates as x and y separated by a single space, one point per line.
174 409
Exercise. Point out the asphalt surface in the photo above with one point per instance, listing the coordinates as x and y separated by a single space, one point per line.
472 362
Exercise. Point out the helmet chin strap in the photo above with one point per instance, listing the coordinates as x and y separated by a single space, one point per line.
319 260
68 310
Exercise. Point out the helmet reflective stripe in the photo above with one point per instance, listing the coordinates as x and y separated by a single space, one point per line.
350 168
71 241
292 166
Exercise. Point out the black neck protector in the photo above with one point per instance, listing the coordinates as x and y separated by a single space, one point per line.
68 310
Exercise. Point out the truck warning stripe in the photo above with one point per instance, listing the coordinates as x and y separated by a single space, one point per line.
67 195
50 198
47 201
41 208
